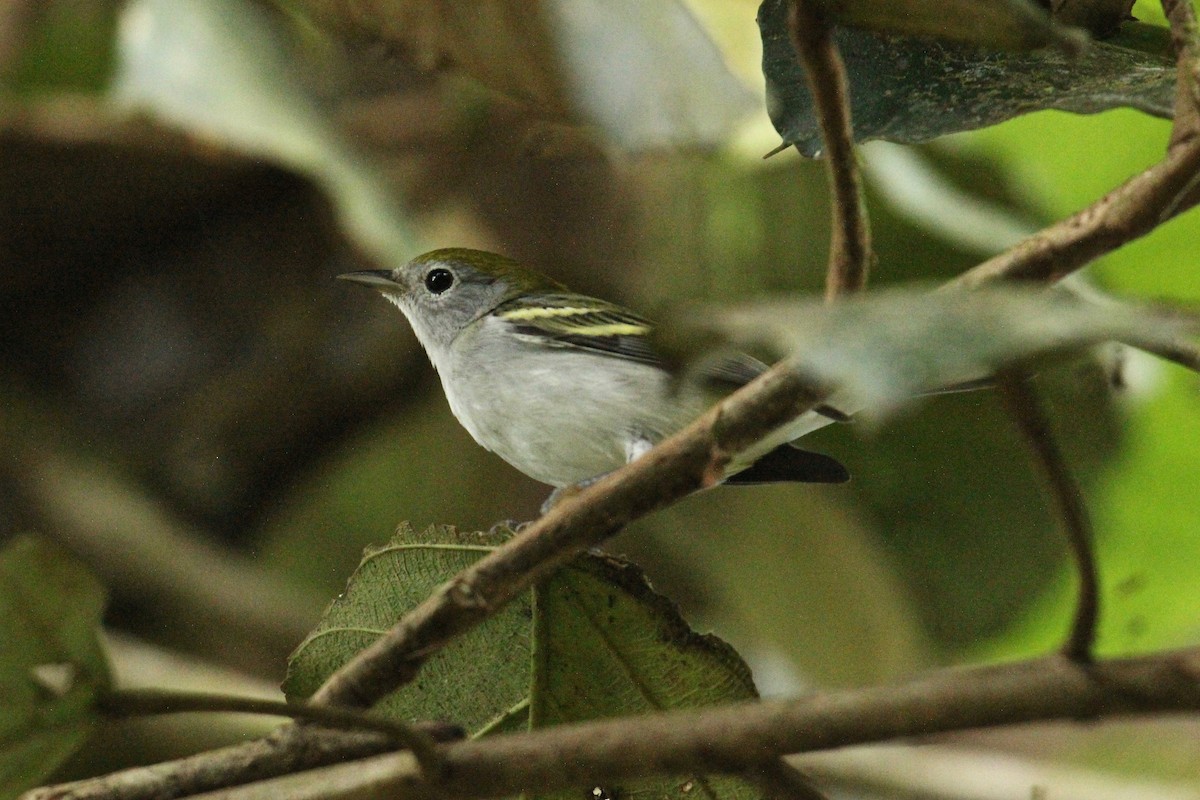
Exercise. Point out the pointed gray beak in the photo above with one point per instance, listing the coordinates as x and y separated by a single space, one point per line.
380 279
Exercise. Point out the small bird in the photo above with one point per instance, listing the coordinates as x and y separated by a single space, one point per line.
565 387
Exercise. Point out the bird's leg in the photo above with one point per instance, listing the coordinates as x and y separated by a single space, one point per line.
570 490
636 446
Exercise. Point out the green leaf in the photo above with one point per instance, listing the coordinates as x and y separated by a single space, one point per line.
1007 24
884 348
52 666
913 89
473 682
607 645
592 641
221 70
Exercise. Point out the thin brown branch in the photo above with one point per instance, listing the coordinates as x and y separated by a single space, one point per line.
121 703
1182 18
290 749
1026 411
850 255
733 738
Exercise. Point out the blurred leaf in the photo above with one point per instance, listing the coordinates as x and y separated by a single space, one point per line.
912 89
502 44
886 347
69 47
220 70
1002 24
51 663
592 641
789 571
646 73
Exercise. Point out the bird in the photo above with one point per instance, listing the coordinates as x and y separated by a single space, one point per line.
565 387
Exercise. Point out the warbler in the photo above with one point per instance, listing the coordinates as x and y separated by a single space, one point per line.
565 387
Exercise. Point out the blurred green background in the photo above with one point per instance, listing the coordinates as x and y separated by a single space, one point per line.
189 401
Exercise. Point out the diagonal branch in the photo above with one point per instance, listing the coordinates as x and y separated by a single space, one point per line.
850 255
1133 209
1025 409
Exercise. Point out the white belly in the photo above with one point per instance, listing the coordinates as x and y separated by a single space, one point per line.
562 416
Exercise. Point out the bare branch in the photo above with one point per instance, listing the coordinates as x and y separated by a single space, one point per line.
1025 409
850 255
1131 210
733 738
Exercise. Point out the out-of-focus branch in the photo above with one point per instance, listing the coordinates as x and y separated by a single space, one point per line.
733 738
1027 412
850 254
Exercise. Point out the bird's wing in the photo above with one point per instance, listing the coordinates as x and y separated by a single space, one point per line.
585 323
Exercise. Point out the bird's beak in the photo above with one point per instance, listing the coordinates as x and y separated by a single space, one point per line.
380 279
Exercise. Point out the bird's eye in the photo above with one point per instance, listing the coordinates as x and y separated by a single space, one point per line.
438 280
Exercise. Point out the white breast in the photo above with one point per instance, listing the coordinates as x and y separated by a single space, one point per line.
560 415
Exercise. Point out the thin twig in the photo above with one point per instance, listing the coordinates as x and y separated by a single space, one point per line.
1026 411
850 255
1182 18
736 737
121 703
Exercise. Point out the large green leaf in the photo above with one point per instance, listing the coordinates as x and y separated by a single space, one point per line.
473 682
911 89
51 663
607 645
592 641
1011 24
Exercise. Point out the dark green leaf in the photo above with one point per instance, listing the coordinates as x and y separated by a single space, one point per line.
912 89
608 645
1002 24
51 663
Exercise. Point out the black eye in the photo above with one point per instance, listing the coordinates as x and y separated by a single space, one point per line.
438 280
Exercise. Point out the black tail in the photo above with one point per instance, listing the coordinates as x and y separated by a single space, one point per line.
791 464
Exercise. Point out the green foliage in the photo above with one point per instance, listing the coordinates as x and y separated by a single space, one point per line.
51 664
592 641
